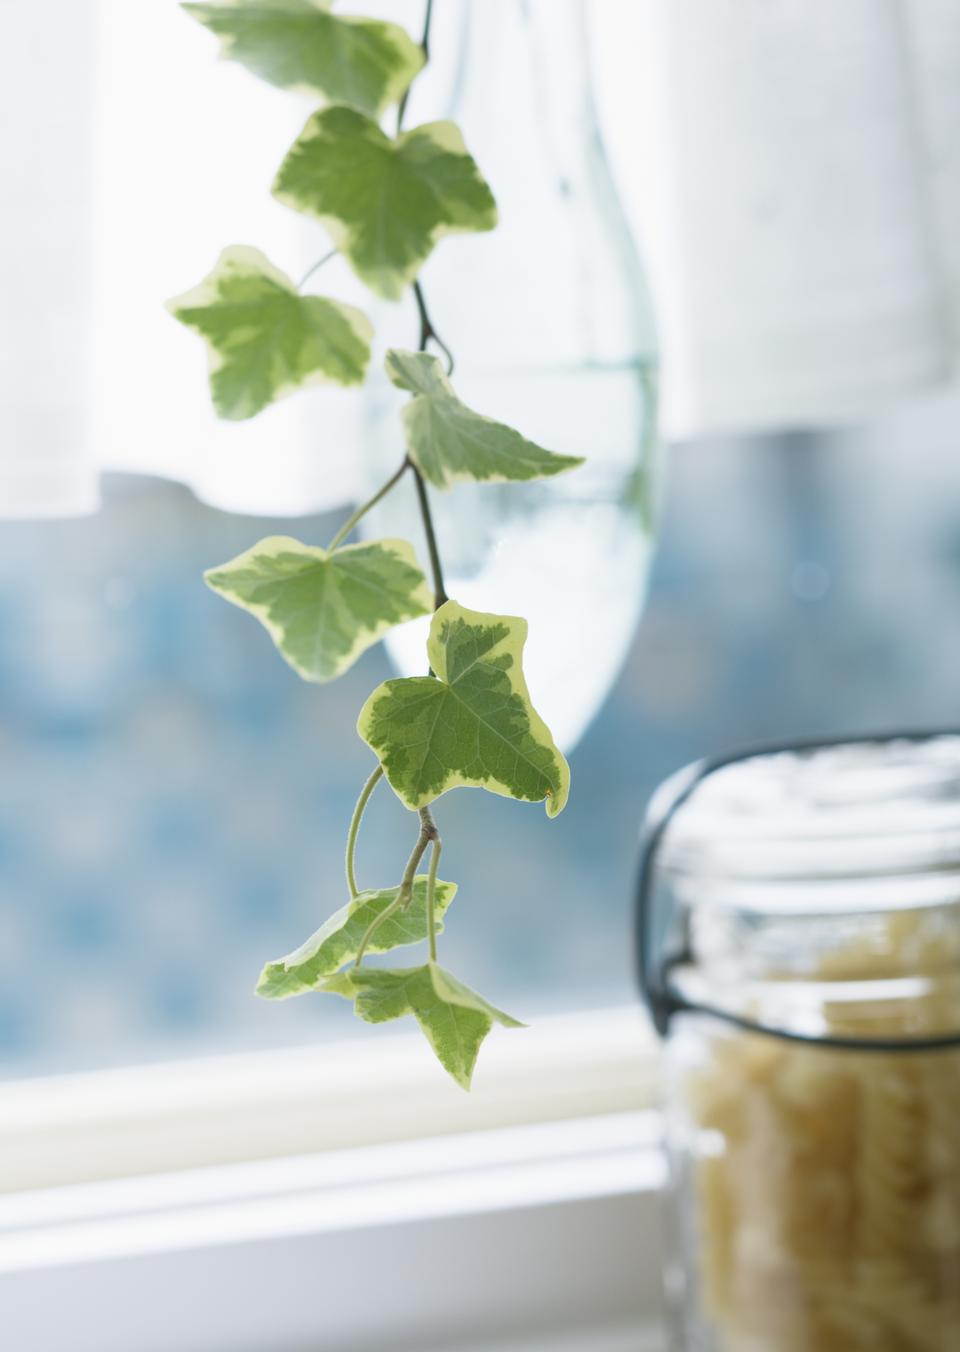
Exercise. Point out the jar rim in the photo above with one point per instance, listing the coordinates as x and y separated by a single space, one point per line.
874 828
850 810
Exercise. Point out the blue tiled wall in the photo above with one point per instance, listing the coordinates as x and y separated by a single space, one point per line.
173 801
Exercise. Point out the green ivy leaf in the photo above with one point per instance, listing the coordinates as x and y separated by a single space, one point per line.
384 202
338 941
454 1018
300 45
452 444
323 609
472 724
264 339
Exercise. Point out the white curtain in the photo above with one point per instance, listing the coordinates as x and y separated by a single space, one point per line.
792 168
129 156
46 146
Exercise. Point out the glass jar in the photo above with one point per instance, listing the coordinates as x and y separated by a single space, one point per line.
550 326
800 949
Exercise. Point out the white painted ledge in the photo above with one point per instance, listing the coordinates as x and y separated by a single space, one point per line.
369 1090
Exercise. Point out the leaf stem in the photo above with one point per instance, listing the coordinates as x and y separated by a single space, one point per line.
432 897
361 511
355 820
373 927
315 268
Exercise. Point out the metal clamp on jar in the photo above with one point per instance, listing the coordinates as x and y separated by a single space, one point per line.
799 946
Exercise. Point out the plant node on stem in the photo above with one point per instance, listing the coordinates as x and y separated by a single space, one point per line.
427 331
428 835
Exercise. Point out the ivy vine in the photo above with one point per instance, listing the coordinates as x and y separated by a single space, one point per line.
384 200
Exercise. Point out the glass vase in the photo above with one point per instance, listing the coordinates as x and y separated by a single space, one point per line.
550 326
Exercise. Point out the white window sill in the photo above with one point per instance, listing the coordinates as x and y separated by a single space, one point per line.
342 1228
369 1090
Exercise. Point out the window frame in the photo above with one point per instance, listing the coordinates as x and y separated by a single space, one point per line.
256 1202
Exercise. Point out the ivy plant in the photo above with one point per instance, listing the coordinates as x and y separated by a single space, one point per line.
385 198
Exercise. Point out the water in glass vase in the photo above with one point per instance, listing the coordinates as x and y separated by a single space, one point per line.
549 322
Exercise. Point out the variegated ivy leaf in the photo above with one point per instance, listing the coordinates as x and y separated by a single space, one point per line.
384 202
324 608
472 723
264 339
450 443
299 44
338 941
454 1018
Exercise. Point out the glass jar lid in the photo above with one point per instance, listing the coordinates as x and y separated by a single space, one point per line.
855 810
790 865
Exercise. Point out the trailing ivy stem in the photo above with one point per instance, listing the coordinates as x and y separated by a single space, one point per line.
425 39
355 820
436 567
361 511
428 829
432 897
425 48
427 332
315 268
